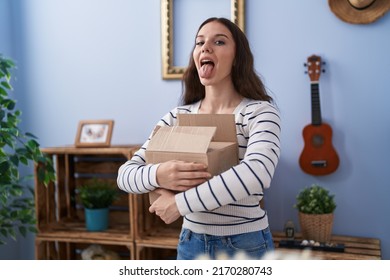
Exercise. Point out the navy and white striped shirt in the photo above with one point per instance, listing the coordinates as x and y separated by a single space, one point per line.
228 203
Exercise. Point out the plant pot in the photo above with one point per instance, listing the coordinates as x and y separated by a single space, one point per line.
96 219
317 227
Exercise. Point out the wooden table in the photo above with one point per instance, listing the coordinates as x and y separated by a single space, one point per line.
355 248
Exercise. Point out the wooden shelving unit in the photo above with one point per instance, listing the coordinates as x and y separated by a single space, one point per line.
60 218
134 233
152 234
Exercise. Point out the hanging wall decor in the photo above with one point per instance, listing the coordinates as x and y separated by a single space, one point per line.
359 11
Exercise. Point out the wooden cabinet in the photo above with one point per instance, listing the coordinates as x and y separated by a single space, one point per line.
60 217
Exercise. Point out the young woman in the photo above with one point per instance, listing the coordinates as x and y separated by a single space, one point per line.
222 214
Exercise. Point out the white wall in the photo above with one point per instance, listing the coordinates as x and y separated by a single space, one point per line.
101 59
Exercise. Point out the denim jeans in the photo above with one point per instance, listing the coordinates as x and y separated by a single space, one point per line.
253 244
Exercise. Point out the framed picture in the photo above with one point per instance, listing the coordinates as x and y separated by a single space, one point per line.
94 133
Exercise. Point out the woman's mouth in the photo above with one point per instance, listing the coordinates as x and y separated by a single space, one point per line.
206 68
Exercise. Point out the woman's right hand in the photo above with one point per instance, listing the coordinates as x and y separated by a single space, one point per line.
180 175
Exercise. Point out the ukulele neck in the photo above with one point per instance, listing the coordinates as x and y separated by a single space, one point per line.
315 104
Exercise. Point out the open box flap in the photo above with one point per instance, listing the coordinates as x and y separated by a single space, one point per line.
225 124
187 139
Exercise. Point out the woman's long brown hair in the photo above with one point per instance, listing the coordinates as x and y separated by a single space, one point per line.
245 80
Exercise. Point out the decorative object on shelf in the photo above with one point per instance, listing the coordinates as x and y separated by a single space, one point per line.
96 199
312 245
316 206
98 252
289 230
359 11
94 133
17 148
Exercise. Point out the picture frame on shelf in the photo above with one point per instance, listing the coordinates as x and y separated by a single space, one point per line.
94 133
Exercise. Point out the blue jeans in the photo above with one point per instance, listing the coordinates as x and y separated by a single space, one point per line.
194 245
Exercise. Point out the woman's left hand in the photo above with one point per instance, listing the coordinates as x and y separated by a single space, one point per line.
165 206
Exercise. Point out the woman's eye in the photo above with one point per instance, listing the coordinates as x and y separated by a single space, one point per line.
219 43
199 43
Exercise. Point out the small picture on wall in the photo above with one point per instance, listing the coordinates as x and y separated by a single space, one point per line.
94 133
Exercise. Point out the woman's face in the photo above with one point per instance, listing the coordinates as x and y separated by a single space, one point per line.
214 53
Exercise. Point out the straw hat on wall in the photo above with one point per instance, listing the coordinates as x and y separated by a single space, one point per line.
359 11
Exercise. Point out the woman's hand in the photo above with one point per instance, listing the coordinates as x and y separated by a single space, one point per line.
165 206
180 175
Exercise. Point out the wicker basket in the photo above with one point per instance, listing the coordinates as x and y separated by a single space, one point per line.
317 227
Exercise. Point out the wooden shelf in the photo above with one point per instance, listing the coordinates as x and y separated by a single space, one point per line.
125 150
356 248
60 216
76 230
163 238
152 232
63 248
158 237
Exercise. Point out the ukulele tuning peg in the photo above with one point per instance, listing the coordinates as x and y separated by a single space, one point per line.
305 72
323 63
305 64
323 71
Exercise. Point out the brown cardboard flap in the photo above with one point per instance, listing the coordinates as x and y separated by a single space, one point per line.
225 124
182 139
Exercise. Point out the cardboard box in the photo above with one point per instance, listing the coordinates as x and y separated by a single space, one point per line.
205 138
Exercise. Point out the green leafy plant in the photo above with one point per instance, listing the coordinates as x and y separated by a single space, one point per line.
97 195
315 200
17 211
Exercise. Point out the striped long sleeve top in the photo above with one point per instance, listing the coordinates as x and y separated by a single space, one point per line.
228 203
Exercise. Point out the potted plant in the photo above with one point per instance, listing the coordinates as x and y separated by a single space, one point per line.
316 206
17 148
96 198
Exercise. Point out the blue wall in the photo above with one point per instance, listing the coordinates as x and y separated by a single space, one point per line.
101 59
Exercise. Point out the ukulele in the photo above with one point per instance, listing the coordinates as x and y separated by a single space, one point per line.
318 156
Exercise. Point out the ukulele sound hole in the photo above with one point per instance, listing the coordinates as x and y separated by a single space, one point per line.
317 140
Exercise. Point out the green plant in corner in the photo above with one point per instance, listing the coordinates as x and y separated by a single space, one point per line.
315 200
17 210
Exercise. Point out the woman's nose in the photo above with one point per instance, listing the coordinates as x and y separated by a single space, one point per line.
206 48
